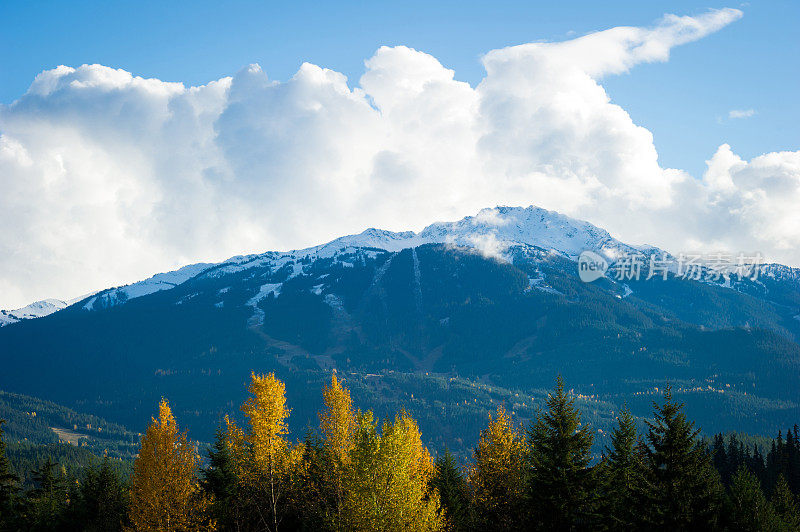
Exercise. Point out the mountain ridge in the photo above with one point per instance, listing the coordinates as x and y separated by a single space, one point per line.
492 231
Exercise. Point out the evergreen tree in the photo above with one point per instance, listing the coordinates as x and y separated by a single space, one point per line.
314 499
165 493
562 485
720 459
683 491
747 508
221 483
785 506
101 501
497 475
9 486
622 476
46 504
453 491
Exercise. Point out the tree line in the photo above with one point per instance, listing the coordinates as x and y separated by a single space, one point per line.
356 473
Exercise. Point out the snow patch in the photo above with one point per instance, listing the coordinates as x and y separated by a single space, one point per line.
334 301
258 315
35 310
156 283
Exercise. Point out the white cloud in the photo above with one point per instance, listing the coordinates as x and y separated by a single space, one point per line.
108 178
741 113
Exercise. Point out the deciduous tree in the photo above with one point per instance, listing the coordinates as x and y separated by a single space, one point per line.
497 475
165 492
388 481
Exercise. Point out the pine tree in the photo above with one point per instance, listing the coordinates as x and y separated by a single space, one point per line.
720 459
497 475
9 485
622 476
747 509
683 489
101 503
46 504
453 491
785 506
314 502
165 493
221 482
562 485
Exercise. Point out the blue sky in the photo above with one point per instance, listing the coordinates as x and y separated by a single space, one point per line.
751 64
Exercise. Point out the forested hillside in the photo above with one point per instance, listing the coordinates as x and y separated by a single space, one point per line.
442 330
357 471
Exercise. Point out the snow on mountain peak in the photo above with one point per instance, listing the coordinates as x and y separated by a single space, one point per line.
492 231
498 226
532 226
37 309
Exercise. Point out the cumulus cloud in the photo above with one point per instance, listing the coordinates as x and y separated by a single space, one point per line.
107 178
741 113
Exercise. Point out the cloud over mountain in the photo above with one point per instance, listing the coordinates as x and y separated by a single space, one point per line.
107 177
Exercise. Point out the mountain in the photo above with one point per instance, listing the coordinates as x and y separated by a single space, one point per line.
34 310
446 323
37 309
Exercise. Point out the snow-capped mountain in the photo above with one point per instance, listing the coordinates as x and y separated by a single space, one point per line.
492 232
34 310
496 296
156 283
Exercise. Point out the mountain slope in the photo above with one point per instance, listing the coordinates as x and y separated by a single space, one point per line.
493 302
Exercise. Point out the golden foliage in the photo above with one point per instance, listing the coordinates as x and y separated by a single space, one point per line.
387 486
165 493
265 461
267 413
338 422
497 473
337 425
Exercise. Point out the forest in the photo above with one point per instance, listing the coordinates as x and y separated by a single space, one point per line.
357 472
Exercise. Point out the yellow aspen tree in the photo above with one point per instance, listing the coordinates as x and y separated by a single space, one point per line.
165 492
389 478
272 458
338 425
497 474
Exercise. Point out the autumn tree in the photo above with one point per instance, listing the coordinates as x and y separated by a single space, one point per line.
265 461
497 475
165 493
388 481
337 425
